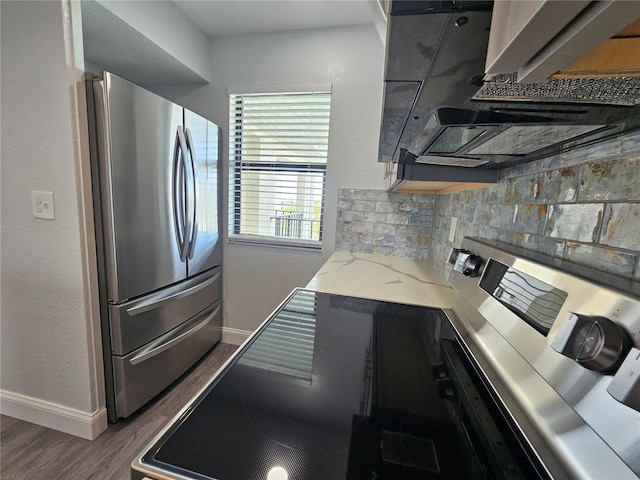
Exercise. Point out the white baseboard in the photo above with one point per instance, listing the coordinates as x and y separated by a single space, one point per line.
69 420
54 416
234 336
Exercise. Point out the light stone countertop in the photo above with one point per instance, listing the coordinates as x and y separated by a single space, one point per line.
376 277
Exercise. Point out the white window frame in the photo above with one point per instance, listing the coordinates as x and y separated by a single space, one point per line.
234 235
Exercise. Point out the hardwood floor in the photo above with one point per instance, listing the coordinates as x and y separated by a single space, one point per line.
29 452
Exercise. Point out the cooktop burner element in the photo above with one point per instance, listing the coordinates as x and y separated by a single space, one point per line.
410 451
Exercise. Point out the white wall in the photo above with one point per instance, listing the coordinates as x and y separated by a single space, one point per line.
50 356
168 27
146 42
50 367
256 279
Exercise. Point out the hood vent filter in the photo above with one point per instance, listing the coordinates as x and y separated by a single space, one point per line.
624 91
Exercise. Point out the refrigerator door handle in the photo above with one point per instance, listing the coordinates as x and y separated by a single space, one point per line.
176 191
194 225
174 341
157 303
180 196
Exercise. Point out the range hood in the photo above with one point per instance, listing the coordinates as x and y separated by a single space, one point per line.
444 120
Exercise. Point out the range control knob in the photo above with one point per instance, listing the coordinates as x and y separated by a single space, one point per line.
453 255
593 341
625 386
461 259
472 265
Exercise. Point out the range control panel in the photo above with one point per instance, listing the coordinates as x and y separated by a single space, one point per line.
563 326
599 335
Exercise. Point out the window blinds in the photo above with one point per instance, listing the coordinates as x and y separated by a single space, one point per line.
278 152
286 346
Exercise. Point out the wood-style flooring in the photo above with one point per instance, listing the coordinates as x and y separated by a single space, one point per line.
30 452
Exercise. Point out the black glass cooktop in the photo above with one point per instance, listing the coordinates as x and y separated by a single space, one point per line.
332 388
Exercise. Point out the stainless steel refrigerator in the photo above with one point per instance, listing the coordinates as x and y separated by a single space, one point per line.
156 196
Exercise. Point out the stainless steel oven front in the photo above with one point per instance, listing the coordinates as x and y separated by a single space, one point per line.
558 345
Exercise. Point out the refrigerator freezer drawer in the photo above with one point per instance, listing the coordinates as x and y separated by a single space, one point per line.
136 323
144 373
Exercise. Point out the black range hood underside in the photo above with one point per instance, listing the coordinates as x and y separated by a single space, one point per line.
444 119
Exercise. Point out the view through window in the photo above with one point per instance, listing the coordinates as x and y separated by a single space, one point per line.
278 156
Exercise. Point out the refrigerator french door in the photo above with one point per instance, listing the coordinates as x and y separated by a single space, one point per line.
156 202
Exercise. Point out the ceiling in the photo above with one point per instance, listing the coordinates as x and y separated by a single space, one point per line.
111 43
219 18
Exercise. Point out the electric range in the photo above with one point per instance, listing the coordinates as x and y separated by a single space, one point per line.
515 381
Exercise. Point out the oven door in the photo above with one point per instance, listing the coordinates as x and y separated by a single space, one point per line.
498 450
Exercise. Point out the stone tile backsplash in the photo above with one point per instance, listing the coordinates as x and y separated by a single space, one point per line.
383 223
582 206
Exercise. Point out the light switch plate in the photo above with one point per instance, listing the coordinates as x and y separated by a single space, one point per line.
452 230
42 205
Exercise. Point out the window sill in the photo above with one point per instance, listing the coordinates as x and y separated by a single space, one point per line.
273 242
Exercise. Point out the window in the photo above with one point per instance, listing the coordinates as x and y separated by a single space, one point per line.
278 159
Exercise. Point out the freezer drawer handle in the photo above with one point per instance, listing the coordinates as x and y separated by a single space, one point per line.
174 341
153 303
